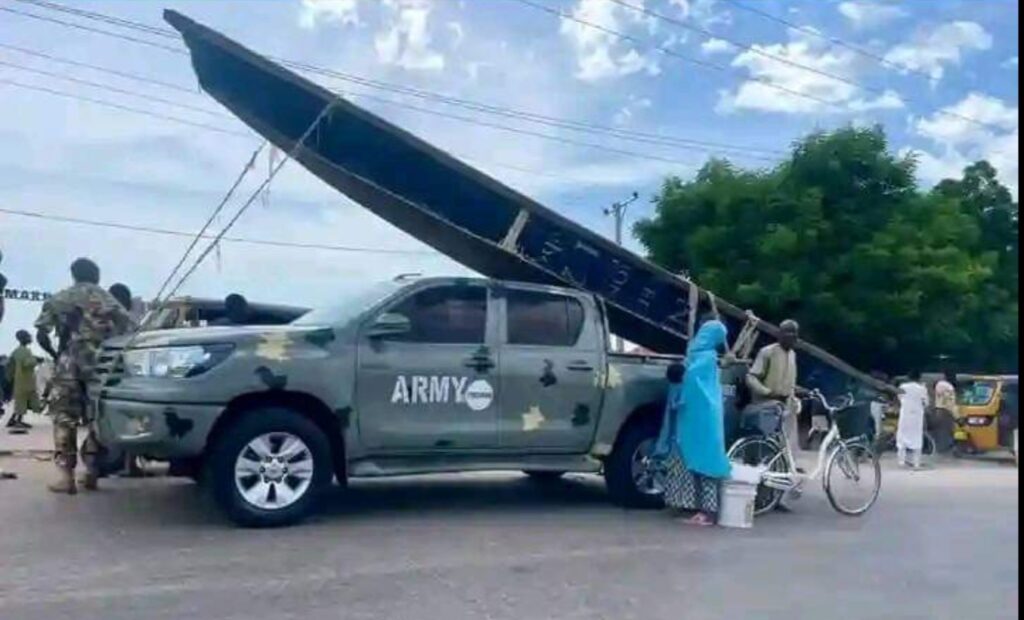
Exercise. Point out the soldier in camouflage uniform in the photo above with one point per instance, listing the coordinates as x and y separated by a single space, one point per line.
82 316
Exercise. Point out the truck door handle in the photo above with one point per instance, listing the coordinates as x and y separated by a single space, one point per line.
580 366
480 363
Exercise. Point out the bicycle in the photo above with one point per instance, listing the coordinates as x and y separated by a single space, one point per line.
840 460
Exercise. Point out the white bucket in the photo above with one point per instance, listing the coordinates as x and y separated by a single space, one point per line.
737 505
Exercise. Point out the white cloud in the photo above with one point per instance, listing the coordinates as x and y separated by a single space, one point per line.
889 100
783 88
1012 63
406 41
933 50
314 12
633 106
866 14
601 55
978 127
704 12
716 46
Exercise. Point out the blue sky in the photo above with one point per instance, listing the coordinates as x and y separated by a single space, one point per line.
924 66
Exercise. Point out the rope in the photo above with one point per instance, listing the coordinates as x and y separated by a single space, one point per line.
694 307
745 342
209 221
256 194
252 198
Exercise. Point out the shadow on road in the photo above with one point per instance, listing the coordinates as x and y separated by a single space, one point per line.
505 494
167 503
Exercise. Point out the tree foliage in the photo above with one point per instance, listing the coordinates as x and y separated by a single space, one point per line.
841 238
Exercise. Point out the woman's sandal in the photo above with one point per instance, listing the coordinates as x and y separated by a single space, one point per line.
701 520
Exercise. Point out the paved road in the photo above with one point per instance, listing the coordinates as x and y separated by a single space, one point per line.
941 544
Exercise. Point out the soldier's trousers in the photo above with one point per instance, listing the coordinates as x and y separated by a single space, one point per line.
68 406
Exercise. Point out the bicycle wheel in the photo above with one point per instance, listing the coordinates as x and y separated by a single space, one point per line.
762 452
853 479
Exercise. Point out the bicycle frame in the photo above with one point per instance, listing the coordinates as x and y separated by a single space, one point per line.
793 480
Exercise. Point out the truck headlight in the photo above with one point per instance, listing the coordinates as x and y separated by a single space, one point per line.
175 362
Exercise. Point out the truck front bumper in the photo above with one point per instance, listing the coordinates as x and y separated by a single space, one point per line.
155 430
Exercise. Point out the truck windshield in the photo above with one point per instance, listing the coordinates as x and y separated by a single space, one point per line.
351 305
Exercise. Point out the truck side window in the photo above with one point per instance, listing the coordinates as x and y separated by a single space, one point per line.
542 319
446 315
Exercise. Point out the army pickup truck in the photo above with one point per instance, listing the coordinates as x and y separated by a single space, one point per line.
407 377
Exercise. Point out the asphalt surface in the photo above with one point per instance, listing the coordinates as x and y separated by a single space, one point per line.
940 544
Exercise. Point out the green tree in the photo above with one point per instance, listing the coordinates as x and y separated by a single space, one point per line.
841 238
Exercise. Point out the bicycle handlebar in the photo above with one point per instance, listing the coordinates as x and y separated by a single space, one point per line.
845 403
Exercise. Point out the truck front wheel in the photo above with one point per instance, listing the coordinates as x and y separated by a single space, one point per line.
270 468
626 473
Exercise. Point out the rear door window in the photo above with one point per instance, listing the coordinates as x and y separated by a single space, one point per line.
543 319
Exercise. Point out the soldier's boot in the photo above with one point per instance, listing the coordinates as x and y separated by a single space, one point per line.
65 482
90 480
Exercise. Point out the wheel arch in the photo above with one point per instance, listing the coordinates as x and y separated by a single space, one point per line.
331 423
652 413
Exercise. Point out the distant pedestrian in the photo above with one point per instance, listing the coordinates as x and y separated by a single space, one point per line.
20 372
943 420
914 402
4 475
945 395
82 316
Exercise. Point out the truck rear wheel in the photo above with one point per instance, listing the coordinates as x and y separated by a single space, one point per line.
270 468
626 473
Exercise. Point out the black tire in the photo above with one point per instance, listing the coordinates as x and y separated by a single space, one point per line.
220 467
618 469
861 459
761 452
110 462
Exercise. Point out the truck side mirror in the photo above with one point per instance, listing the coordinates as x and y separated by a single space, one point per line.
390 324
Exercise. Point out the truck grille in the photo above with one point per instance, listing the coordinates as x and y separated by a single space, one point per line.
108 367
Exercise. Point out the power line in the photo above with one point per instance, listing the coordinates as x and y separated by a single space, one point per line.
116 35
101 69
745 46
740 150
249 167
831 39
563 123
668 52
480 162
37 215
288 156
526 132
724 69
754 49
109 19
117 90
124 108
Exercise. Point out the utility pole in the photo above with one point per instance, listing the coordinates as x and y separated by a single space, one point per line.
618 211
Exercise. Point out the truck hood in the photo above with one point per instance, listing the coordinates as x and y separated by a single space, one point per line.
239 336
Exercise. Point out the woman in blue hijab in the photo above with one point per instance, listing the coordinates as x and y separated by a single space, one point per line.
693 435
